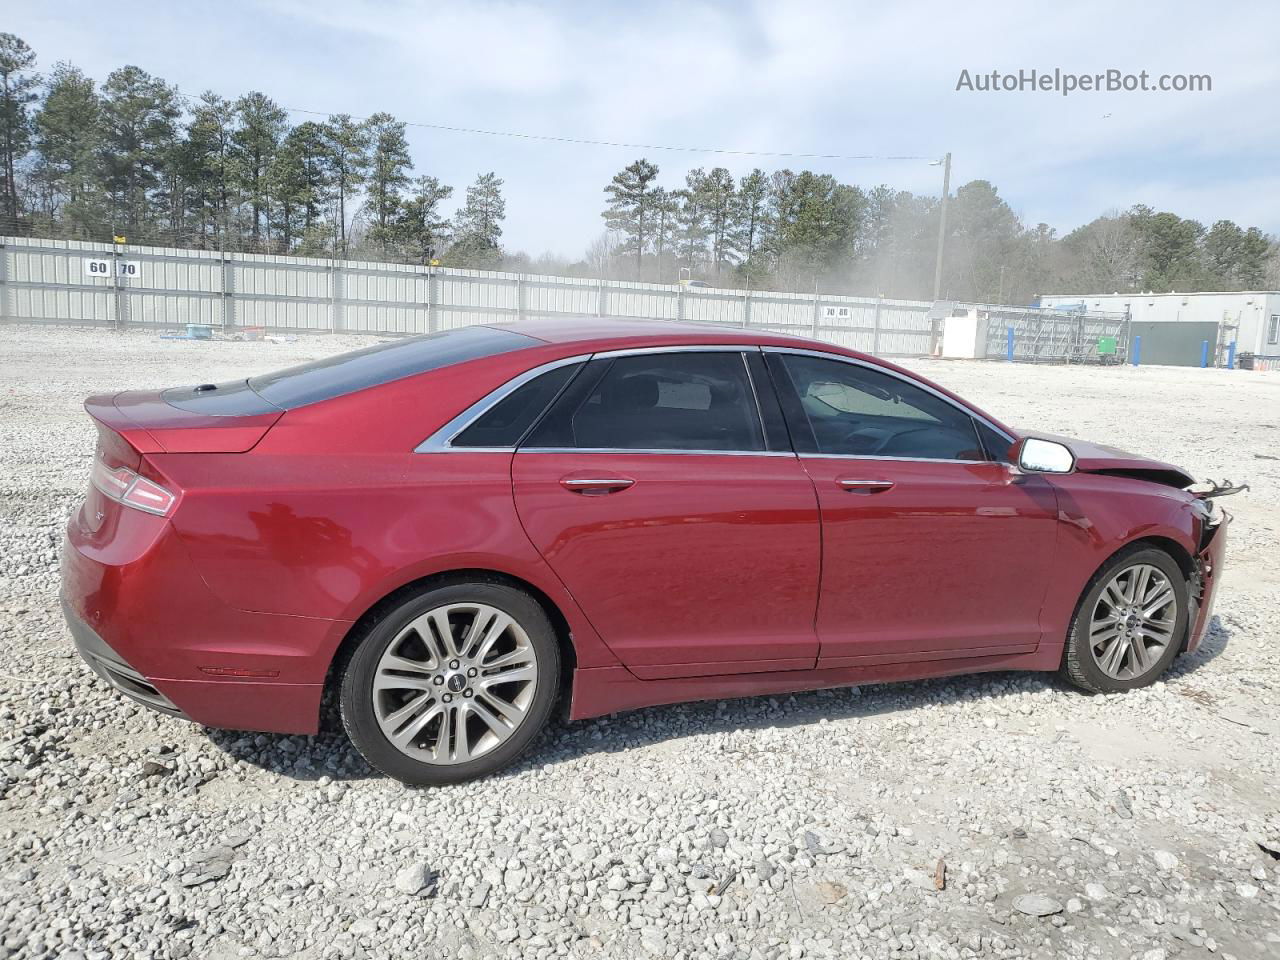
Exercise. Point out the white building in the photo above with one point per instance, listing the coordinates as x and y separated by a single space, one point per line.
1254 314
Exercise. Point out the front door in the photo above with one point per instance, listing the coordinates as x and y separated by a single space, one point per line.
691 546
931 547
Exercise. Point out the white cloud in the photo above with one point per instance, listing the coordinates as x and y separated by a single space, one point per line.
821 77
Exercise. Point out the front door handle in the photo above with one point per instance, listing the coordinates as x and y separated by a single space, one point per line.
856 485
596 485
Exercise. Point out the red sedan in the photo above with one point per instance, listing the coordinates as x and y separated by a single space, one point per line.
452 531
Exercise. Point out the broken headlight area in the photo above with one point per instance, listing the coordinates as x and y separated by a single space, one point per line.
1212 489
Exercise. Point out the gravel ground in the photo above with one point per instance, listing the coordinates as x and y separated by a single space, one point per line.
820 825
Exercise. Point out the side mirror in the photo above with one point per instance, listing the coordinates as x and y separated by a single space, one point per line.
1033 455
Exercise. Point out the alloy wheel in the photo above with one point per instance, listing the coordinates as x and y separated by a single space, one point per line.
455 683
1133 621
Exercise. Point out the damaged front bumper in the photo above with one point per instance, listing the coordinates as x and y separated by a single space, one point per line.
1206 576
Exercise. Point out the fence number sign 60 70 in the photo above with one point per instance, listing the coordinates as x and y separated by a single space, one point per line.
102 268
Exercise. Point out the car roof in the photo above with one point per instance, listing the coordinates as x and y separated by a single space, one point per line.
615 333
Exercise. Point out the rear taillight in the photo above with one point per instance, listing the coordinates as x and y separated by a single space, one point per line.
124 486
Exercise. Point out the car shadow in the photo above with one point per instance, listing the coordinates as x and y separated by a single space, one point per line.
330 753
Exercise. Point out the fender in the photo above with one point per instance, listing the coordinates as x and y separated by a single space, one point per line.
1098 515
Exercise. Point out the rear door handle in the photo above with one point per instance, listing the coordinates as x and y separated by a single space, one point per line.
856 485
596 485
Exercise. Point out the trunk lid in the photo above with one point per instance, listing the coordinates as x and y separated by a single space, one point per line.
210 418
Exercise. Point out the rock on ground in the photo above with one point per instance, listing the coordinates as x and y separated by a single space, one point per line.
775 827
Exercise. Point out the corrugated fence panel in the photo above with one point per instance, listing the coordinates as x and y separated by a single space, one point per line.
386 286
46 281
57 305
301 280
385 318
480 289
168 309
715 306
782 312
178 274
52 267
641 300
284 314
552 295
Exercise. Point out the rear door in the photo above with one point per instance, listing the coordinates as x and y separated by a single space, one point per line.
932 548
662 490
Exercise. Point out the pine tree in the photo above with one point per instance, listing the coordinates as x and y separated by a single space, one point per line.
814 225
691 221
388 176
67 142
718 200
666 208
347 158
750 213
138 126
17 93
261 125
632 193
419 230
478 225
1168 249
300 182
210 162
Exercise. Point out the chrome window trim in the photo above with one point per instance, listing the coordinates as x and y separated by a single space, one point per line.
690 453
859 456
755 398
439 442
442 440
679 348
854 361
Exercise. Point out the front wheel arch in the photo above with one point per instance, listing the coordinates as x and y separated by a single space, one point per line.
1175 552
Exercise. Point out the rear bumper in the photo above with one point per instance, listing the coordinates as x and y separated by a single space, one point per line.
111 667
1209 567
144 620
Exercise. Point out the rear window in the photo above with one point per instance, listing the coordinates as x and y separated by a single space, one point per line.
348 372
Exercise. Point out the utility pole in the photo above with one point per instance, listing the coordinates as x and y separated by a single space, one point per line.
942 223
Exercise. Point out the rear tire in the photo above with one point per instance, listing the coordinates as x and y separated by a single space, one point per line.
1129 624
452 684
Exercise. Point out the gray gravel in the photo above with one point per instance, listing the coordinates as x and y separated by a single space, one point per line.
995 816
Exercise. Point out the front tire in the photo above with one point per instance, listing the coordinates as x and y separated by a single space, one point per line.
1130 623
452 684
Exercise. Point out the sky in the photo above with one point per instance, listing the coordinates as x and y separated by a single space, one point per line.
852 79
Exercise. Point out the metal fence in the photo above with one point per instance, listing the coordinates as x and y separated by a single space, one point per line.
63 281
1054 336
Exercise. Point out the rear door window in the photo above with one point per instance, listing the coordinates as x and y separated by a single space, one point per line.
697 401
505 423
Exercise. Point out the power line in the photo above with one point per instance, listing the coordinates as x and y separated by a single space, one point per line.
585 141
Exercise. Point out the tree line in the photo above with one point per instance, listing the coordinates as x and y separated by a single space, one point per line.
808 231
132 156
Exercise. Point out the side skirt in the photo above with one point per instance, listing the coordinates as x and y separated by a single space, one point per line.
603 690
